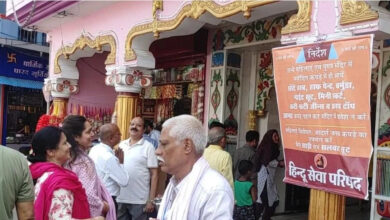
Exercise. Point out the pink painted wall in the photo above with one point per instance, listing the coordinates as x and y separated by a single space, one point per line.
327 10
325 16
171 8
116 19
93 91
119 17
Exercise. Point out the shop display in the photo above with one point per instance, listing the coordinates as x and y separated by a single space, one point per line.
177 90
97 116
383 175
383 183
23 108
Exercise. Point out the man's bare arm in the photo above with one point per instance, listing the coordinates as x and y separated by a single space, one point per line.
25 210
153 189
153 184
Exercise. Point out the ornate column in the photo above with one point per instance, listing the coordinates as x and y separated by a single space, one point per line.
324 205
252 112
128 83
252 120
232 94
60 89
217 87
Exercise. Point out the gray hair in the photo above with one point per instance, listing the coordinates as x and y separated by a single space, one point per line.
216 134
187 127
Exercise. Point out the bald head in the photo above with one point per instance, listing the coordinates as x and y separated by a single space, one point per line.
109 134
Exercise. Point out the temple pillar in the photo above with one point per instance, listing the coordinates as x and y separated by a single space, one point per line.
128 83
59 107
326 206
60 89
126 109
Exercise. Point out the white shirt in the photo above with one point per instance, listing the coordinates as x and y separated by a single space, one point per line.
267 174
138 159
108 168
212 200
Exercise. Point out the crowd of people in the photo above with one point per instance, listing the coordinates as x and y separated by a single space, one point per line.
64 177
252 168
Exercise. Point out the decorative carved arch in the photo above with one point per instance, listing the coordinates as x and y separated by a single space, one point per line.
193 10
81 43
300 22
353 11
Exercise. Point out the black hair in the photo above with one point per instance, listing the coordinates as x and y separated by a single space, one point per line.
182 106
73 126
252 135
216 124
267 150
244 167
25 150
48 138
148 123
159 125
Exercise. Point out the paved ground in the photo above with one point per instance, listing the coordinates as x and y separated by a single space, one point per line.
352 212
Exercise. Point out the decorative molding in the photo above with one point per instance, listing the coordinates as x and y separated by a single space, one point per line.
81 43
386 66
215 98
193 10
126 79
230 122
252 120
157 5
61 87
300 22
265 81
384 134
353 11
260 30
384 119
217 59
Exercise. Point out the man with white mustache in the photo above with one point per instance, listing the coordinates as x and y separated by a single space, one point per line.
195 191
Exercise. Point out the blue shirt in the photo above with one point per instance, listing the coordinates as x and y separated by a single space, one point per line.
152 141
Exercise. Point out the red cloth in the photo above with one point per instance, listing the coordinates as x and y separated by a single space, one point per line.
61 178
48 120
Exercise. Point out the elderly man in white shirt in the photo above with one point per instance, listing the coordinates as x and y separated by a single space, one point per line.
195 190
109 165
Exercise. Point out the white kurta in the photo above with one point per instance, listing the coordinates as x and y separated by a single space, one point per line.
268 174
203 194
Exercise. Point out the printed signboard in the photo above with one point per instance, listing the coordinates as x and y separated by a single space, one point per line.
323 92
18 64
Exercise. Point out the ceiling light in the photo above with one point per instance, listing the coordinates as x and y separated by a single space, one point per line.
31 28
63 14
